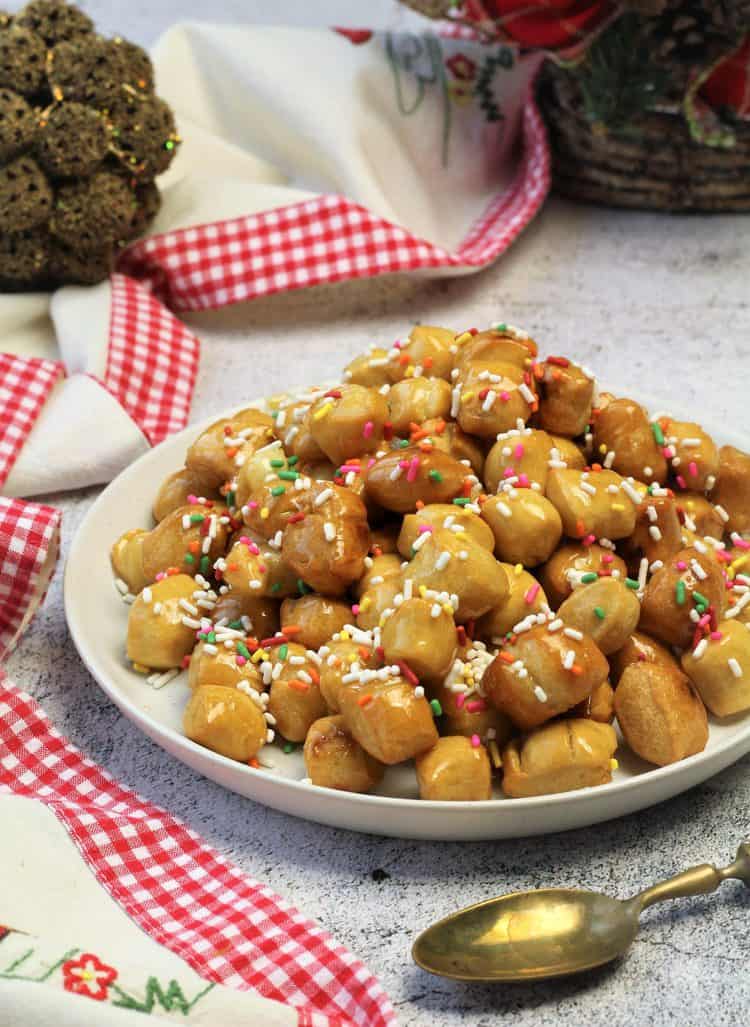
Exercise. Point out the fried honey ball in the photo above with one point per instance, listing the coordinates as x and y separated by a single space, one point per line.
67 122
17 124
145 133
23 257
92 213
69 265
53 20
22 57
25 195
95 70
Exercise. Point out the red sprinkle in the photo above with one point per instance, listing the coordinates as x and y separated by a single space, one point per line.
296 518
407 672
268 643
559 361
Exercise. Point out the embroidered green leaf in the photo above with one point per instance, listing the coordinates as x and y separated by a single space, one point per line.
171 1000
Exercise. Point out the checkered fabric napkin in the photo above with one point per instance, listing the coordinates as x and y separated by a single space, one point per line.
229 928
29 542
25 383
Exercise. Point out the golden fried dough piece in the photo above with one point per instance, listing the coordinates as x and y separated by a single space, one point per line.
175 490
472 716
678 587
414 400
380 568
559 757
339 658
427 353
388 719
525 595
421 634
126 557
158 636
720 669
317 617
598 503
623 428
518 453
327 547
493 399
695 460
639 648
699 515
599 706
570 562
526 526
216 665
449 438
658 533
190 538
295 701
567 452
542 674
444 515
567 395
732 489
384 538
333 759
213 454
225 720
253 568
455 770
369 369
459 567
262 615
660 713
401 478
348 421
293 426
496 346
606 610
376 600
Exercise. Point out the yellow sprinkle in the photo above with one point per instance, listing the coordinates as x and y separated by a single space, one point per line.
259 655
460 534
618 506
381 622
325 409
463 337
614 764
602 448
495 756
366 602
140 669
518 569
409 372
264 513
448 608
467 395
739 562
422 590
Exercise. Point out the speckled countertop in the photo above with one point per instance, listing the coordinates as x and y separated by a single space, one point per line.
650 302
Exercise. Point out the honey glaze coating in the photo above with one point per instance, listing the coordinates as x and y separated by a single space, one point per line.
465 558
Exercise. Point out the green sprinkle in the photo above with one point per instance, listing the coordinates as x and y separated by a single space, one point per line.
243 650
189 558
169 145
211 637
292 461
436 475
461 502
437 709
277 463
283 651
205 566
279 490
588 577
403 443
679 593
197 518
302 588
631 583
289 475
275 414
698 598
658 433
276 586
502 327
289 747
600 612
236 625
231 499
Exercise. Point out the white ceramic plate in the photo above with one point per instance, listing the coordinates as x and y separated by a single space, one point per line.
97 618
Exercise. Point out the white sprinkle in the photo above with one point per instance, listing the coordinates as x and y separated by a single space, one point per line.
270 735
329 530
455 400
324 495
586 487
188 607
569 659
741 603
655 566
408 588
652 514
121 587
186 522
420 541
613 489
691 442
648 472
609 459
442 561
540 693
710 482
162 679
699 546
698 570
210 649
655 533
463 555
435 610
721 512
555 625
700 649
255 584
526 392
642 573
419 692
157 608
633 494
147 595
573 633
504 509
129 598
489 399
396 473
734 666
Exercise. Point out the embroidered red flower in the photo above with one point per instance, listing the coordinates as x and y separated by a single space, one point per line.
543 24
461 66
728 85
88 976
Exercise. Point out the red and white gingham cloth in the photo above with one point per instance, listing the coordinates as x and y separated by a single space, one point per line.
29 538
229 928
25 383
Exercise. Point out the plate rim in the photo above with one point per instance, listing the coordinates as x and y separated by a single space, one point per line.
734 747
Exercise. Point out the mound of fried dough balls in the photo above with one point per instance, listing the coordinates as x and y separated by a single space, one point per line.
464 558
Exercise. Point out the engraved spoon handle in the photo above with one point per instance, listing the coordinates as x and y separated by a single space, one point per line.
697 881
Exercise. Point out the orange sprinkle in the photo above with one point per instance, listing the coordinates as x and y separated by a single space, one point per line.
420 506
420 433
425 447
440 427
576 669
233 566
596 467
253 763
580 527
506 657
194 546
557 374
364 700
364 652
314 675
427 363
404 359
539 371
299 686
232 452
292 629
466 487
171 571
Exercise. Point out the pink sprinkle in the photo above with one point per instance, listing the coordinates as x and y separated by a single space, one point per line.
531 594
368 429
240 661
370 462
681 481
716 636
345 468
424 528
397 344
723 556
666 453
681 565
262 567
476 706
504 396
355 609
523 481
253 505
588 539
607 558
518 452
413 468
254 550
741 543
404 465
693 468
460 700
192 498
705 619
476 741
161 576
508 472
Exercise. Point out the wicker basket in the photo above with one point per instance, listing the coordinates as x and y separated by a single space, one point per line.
654 164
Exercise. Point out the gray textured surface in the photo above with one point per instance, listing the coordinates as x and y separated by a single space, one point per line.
649 302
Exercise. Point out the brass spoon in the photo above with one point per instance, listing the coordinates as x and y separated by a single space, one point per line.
553 932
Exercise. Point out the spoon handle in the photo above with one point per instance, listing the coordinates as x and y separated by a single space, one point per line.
698 880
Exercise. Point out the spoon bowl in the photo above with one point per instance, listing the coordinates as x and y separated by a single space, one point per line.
553 932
